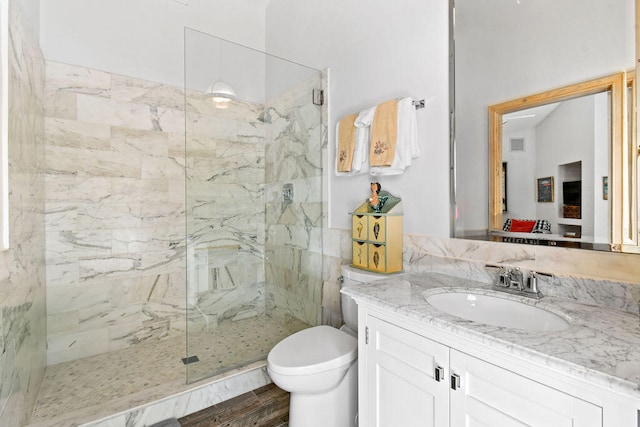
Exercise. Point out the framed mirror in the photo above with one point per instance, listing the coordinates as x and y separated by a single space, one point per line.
508 50
565 147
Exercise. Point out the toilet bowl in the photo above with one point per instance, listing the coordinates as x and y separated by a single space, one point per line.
318 367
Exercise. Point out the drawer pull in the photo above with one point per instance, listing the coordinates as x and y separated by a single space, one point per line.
455 381
439 373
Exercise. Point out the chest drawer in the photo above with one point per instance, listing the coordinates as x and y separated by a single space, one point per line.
377 228
359 227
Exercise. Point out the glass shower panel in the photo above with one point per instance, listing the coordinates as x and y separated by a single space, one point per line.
254 260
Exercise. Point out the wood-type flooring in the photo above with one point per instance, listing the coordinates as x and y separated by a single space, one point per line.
266 406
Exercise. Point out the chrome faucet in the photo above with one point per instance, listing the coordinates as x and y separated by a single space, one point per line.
514 281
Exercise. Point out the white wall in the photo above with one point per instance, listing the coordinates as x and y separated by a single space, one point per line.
520 172
142 38
567 136
378 50
601 207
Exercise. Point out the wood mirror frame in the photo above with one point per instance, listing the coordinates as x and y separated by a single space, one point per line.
619 166
627 241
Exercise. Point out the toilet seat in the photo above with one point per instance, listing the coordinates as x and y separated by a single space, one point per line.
312 351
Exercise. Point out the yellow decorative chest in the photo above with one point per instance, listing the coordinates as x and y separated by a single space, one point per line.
377 237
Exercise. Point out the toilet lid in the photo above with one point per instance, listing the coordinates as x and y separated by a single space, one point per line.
313 350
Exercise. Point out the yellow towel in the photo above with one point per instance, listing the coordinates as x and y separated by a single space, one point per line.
346 142
384 132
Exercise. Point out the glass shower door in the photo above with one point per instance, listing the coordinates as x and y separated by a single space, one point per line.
253 254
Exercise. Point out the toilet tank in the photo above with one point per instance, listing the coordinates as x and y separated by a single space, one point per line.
351 276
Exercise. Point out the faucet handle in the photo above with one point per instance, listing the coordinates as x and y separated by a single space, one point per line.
504 276
532 282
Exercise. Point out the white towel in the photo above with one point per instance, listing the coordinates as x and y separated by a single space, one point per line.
407 147
360 163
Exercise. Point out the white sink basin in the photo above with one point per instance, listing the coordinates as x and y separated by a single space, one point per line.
495 309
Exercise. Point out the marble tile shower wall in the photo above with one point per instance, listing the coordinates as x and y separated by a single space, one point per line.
22 267
115 206
294 143
225 213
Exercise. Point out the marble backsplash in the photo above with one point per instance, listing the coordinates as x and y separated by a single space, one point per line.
22 266
590 277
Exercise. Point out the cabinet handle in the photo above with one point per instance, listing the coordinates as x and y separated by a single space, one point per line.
439 373
455 381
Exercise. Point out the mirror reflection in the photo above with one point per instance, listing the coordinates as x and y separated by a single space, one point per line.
553 153
505 50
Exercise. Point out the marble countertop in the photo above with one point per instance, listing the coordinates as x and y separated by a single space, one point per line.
601 345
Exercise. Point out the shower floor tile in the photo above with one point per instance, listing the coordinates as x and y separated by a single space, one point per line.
97 380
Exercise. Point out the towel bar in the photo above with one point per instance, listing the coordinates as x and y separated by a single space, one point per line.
418 104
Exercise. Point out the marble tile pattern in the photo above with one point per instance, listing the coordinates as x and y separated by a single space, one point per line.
22 266
172 400
600 345
225 211
114 211
194 399
589 277
294 144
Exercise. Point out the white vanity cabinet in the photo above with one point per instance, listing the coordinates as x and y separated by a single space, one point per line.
408 379
491 396
400 368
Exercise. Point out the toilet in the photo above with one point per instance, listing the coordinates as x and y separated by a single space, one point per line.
318 367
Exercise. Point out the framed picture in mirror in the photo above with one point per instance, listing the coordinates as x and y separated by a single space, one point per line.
544 190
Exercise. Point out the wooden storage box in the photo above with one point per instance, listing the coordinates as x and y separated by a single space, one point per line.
569 211
377 237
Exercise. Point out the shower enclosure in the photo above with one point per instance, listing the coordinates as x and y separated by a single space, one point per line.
130 163
253 176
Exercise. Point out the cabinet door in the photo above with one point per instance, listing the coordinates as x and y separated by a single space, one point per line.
492 396
400 367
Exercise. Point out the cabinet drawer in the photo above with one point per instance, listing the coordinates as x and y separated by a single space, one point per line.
377 257
360 256
377 228
359 229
